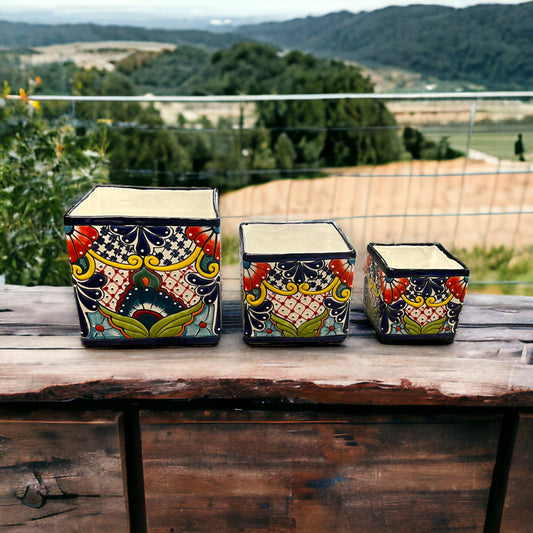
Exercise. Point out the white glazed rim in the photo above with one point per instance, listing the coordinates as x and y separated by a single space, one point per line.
430 256
147 202
293 238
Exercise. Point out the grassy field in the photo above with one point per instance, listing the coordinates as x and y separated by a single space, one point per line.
496 140
500 270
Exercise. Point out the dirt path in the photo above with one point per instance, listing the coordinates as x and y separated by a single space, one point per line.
403 202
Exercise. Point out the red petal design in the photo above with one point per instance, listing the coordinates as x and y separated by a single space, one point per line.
79 241
457 286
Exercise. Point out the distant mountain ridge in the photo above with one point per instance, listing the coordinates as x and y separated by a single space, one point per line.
489 45
25 35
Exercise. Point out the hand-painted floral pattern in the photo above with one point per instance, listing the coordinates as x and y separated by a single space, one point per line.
123 290
143 238
300 271
418 307
344 270
392 288
294 300
458 286
207 238
430 286
101 328
88 292
254 274
80 239
256 316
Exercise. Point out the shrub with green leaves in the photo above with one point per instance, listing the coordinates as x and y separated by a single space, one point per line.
44 168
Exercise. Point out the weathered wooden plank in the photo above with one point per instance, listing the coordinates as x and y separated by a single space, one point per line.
316 472
42 358
353 372
518 510
61 472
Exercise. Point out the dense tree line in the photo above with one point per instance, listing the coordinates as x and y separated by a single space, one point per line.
289 138
288 135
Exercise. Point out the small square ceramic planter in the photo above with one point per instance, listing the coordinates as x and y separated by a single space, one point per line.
414 292
145 265
296 280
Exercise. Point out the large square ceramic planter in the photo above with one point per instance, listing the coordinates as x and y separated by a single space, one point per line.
145 265
296 280
414 292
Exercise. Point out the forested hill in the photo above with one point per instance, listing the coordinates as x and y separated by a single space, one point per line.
491 45
23 35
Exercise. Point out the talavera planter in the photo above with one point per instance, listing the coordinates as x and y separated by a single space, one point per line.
414 292
145 265
296 280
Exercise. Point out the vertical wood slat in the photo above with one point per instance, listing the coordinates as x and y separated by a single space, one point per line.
518 509
306 472
61 472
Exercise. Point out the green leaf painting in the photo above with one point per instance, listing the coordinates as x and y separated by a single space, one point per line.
169 326
308 329
286 328
431 328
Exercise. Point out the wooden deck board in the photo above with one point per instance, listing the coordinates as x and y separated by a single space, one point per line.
42 358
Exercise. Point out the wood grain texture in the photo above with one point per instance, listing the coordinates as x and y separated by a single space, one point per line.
61 472
518 510
307 472
42 359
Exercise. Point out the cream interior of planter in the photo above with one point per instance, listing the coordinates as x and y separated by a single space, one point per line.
419 257
293 238
157 203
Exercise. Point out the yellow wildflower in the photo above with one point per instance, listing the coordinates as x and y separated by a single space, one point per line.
24 98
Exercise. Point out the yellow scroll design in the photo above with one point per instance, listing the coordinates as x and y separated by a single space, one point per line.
429 301
77 271
303 288
134 261
152 262
373 286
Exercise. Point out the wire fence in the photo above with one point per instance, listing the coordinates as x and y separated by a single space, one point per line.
477 202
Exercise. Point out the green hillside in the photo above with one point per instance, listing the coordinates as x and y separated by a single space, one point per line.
23 35
490 45
486 45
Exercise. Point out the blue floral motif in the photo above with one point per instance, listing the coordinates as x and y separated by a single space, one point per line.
149 305
390 314
88 293
207 288
338 310
333 328
453 315
100 328
255 317
204 324
429 286
269 330
300 271
143 238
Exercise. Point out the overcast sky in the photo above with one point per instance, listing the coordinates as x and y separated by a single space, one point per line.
202 14
188 9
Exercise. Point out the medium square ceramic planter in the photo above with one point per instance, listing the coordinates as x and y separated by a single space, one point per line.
145 265
414 292
296 280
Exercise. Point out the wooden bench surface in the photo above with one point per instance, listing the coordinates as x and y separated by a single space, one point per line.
42 359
